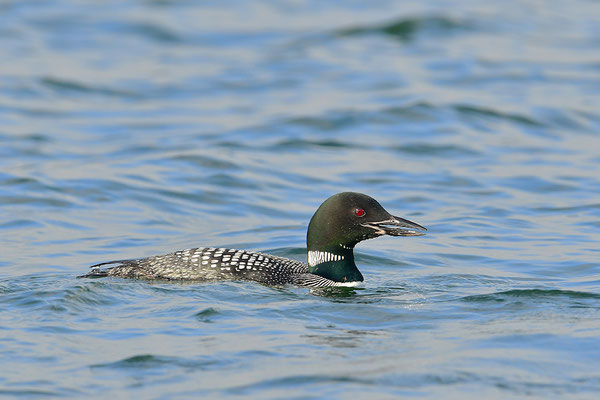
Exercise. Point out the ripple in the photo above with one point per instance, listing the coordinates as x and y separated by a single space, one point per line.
207 315
534 294
535 184
150 361
405 29
21 224
33 294
297 144
34 392
329 122
35 201
206 161
296 380
65 86
150 31
470 110
419 112
433 150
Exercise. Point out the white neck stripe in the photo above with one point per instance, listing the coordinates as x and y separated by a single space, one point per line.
318 257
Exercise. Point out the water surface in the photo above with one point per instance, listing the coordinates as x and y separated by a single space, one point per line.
135 128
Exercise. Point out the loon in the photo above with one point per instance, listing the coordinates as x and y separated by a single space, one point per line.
342 221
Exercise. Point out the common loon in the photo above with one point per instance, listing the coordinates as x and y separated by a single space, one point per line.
337 226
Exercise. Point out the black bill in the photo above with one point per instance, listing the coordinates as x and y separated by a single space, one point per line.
396 226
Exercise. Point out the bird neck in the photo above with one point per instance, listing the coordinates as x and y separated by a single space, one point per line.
335 263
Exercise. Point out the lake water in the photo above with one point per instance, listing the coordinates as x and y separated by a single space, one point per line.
136 128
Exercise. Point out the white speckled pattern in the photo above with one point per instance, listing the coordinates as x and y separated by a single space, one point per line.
209 263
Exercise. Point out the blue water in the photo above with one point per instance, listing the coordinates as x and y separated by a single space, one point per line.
135 128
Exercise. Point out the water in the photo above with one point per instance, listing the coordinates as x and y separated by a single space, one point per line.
135 128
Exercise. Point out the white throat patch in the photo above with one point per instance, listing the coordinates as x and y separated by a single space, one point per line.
318 257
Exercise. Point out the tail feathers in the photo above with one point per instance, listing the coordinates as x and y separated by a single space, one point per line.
97 272
112 262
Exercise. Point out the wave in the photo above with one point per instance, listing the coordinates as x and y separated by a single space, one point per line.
533 294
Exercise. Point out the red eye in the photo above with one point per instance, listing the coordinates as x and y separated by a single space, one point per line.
359 212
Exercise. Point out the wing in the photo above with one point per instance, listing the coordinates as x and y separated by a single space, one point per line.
206 263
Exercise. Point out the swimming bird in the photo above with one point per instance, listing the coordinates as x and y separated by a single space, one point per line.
341 222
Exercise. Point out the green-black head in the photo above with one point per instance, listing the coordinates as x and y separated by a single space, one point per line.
340 223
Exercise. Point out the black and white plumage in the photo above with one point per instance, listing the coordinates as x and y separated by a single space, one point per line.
214 264
337 226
